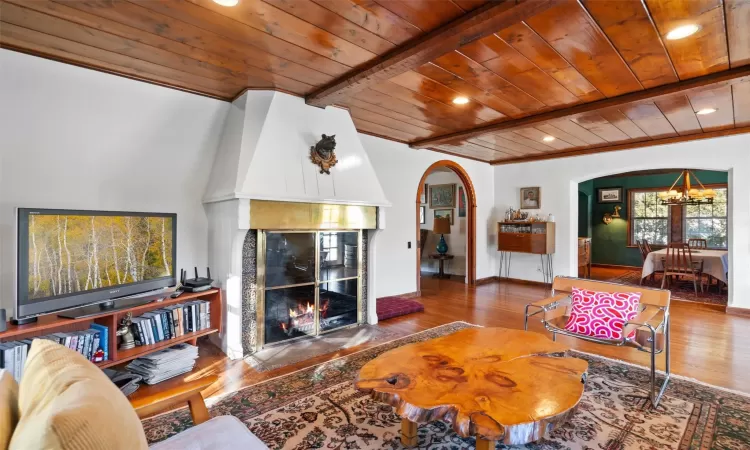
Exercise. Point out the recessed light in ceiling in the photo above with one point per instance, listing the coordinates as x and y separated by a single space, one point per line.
683 32
460 100
548 138
227 2
704 111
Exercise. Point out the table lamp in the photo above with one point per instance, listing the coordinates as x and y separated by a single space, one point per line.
442 226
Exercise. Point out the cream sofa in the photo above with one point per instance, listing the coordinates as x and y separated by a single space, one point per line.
65 402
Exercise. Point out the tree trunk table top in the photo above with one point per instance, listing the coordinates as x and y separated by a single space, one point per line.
493 383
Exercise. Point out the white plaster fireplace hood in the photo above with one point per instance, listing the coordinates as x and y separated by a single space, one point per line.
264 154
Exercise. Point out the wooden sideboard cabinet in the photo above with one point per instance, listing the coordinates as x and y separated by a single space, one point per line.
536 237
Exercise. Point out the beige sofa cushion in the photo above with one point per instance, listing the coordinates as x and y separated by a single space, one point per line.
8 407
219 433
67 403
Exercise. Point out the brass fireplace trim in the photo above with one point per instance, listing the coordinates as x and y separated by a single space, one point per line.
272 215
260 287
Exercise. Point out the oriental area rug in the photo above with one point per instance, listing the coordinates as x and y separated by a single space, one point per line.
318 407
681 289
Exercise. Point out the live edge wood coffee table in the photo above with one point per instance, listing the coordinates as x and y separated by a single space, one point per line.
493 383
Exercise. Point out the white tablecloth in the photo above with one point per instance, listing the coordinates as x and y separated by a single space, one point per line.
715 262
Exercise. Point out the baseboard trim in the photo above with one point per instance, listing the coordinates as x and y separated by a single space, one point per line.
496 279
734 311
520 281
487 280
406 295
615 266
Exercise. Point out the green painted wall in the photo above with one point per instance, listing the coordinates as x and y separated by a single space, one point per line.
585 200
609 242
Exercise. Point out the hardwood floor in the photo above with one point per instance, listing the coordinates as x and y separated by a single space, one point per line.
707 345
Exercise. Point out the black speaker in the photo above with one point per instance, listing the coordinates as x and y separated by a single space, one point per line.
3 321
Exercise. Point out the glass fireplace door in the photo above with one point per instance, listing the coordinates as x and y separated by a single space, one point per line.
309 282
338 289
290 286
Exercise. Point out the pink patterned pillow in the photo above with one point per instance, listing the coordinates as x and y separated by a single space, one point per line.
601 314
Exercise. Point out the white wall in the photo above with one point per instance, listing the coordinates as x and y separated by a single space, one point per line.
81 139
399 169
456 240
559 180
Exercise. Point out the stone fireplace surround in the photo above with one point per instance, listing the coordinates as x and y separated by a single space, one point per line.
264 154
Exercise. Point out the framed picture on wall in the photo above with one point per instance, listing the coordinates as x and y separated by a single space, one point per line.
609 195
531 198
444 213
423 195
442 196
461 202
422 218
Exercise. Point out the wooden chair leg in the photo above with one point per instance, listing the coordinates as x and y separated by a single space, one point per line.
663 280
198 409
695 285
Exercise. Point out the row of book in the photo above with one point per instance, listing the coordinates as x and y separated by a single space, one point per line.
171 322
91 343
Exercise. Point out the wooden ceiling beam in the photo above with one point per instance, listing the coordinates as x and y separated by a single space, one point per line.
481 22
710 81
625 146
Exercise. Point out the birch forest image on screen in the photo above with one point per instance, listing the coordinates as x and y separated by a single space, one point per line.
69 254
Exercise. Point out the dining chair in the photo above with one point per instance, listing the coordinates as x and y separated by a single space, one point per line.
644 256
697 243
679 262
647 248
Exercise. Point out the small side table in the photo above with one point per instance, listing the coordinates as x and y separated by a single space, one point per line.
441 258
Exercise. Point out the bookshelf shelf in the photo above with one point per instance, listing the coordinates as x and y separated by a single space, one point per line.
53 324
127 355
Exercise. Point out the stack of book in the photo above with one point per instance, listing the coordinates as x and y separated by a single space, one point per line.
171 322
165 364
91 343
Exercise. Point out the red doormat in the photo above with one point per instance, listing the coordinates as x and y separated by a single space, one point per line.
390 307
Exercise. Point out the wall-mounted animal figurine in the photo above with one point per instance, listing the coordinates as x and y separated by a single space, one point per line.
323 153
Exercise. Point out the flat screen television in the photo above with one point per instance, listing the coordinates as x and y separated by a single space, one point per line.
71 258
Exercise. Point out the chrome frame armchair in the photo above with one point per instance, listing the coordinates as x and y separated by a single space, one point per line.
651 325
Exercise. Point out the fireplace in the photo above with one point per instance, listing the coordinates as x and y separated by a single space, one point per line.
309 282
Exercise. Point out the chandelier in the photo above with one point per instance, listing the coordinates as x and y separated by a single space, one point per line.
687 195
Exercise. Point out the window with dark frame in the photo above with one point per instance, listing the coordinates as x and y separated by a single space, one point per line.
708 222
648 219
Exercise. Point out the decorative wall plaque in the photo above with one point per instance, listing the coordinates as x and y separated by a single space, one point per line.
323 153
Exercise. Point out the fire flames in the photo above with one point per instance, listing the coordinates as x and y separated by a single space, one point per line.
303 316
304 310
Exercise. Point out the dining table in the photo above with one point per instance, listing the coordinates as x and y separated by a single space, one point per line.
715 262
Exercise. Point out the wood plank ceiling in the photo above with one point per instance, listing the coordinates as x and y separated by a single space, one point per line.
573 77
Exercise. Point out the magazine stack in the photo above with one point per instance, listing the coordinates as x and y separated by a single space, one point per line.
165 364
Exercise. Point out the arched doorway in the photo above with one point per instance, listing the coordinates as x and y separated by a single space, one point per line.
471 219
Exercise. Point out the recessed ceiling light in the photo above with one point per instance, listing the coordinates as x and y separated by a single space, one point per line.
705 111
548 138
227 2
683 32
460 100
